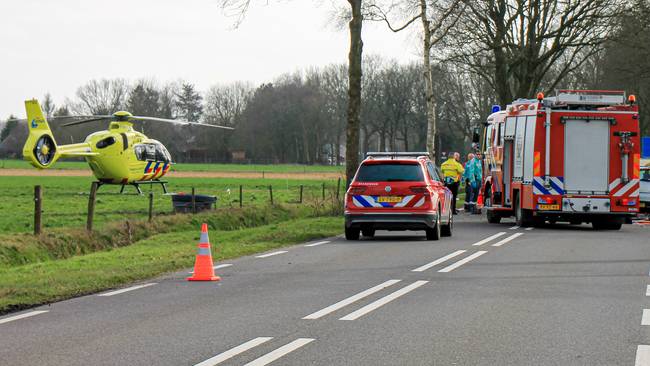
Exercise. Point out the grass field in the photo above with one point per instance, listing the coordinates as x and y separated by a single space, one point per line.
65 199
186 167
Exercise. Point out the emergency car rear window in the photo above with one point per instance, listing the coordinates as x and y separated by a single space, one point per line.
390 172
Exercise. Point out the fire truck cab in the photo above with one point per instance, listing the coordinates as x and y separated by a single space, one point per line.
571 158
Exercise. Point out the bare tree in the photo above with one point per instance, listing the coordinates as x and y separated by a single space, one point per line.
224 104
48 105
100 97
515 44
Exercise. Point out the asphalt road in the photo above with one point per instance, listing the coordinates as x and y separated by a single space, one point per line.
548 296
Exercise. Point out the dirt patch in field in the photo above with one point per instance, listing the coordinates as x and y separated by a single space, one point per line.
243 175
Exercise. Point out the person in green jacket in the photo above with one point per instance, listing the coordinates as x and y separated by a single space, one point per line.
473 177
452 170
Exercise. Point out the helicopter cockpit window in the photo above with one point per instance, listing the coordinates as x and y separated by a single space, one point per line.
140 152
162 154
105 142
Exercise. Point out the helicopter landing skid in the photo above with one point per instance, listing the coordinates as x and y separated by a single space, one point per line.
137 184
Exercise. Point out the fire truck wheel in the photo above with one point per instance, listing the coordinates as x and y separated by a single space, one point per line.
523 217
351 234
493 217
606 225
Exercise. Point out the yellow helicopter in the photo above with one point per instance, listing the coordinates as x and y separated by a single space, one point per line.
120 155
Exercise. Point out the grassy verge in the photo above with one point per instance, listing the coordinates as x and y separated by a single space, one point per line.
32 284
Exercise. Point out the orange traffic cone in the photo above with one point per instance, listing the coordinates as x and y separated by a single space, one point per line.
203 266
479 201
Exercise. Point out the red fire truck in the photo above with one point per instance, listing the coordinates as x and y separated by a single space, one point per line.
572 158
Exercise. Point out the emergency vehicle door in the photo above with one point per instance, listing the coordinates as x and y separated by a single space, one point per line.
586 156
508 138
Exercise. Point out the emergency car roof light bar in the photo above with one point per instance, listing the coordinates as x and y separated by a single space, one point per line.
589 97
396 154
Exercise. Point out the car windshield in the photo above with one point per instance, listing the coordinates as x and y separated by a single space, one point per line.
645 175
390 172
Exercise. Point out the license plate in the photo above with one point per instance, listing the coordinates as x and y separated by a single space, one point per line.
549 207
389 199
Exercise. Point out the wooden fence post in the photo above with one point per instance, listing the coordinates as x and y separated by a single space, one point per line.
193 201
271 193
323 191
241 196
91 206
301 189
338 188
150 206
38 209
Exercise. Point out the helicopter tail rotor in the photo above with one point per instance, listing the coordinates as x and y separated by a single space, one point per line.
40 149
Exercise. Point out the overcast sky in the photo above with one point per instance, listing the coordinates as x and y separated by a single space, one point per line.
56 46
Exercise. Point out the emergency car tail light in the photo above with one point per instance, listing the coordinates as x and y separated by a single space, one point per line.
546 201
419 189
357 190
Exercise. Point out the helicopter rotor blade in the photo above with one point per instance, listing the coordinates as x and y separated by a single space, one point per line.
87 120
178 122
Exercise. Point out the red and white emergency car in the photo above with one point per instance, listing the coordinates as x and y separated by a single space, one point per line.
398 191
573 157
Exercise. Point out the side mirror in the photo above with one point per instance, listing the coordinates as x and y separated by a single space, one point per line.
476 137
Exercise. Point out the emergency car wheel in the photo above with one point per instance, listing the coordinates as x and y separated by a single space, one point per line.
368 233
446 230
351 234
522 216
434 232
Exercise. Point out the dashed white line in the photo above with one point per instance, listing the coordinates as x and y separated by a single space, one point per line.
316 244
645 319
22 316
117 292
647 290
514 227
350 300
642 356
438 261
234 351
463 261
383 301
274 355
529 228
271 254
511 237
489 238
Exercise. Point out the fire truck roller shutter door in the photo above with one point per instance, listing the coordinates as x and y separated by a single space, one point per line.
586 156
519 146
529 149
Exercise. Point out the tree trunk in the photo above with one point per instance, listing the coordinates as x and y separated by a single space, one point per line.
354 91
428 78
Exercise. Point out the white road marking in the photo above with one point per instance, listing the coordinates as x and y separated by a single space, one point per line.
489 238
117 292
647 290
463 261
438 261
271 254
22 316
642 356
234 351
529 228
511 237
645 319
350 300
319 243
514 227
383 301
274 355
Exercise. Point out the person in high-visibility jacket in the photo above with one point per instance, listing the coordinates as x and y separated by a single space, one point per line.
452 170
473 178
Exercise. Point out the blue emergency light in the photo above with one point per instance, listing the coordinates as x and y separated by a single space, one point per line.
496 108
645 147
